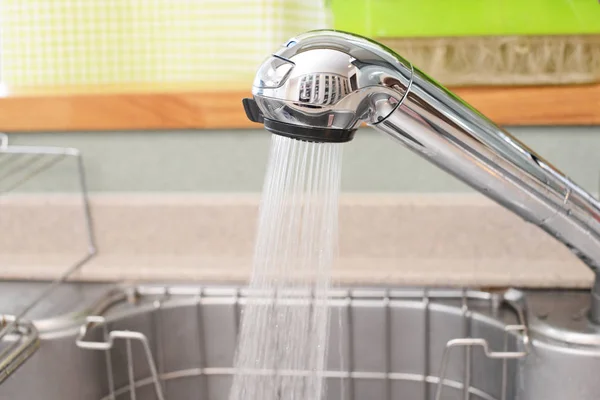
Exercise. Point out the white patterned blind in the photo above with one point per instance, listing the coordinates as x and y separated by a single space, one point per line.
91 42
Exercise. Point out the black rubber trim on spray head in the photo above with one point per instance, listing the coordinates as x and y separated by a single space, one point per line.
328 135
252 111
324 135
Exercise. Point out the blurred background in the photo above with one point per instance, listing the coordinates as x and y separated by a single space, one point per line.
126 156
150 92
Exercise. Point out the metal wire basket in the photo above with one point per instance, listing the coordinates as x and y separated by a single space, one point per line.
19 338
172 343
18 343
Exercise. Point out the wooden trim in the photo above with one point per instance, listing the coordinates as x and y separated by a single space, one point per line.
178 109
546 105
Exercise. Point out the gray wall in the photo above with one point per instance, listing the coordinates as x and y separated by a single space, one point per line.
234 161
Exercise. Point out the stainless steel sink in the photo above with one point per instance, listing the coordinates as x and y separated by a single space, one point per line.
177 342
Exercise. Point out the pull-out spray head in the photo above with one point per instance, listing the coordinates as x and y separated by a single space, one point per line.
322 85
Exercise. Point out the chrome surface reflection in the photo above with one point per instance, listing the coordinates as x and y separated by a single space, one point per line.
334 80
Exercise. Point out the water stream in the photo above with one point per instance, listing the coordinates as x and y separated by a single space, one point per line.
281 350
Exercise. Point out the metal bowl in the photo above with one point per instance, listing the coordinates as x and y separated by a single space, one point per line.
177 343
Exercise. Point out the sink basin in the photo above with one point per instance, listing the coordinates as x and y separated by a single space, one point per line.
383 344
178 342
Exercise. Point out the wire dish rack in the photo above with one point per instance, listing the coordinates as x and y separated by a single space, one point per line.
175 343
19 339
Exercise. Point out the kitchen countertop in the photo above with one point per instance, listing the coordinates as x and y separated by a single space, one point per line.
405 240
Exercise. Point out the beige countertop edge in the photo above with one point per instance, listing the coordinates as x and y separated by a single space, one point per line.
410 239
364 271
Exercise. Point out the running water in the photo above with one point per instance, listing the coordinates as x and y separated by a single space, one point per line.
282 341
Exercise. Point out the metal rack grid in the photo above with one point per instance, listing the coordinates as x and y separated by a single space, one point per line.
18 165
342 298
21 341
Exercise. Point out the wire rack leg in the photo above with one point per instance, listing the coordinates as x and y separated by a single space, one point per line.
109 343
201 338
467 342
109 371
350 353
388 346
426 333
467 327
504 369
442 373
130 373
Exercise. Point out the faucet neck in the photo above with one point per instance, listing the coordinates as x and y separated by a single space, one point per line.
452 135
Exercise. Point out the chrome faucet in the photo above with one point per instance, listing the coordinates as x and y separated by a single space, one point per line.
322 85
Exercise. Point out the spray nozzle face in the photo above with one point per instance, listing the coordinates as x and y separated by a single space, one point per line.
310 134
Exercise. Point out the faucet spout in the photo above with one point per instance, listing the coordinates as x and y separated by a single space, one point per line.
449 133
322 85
